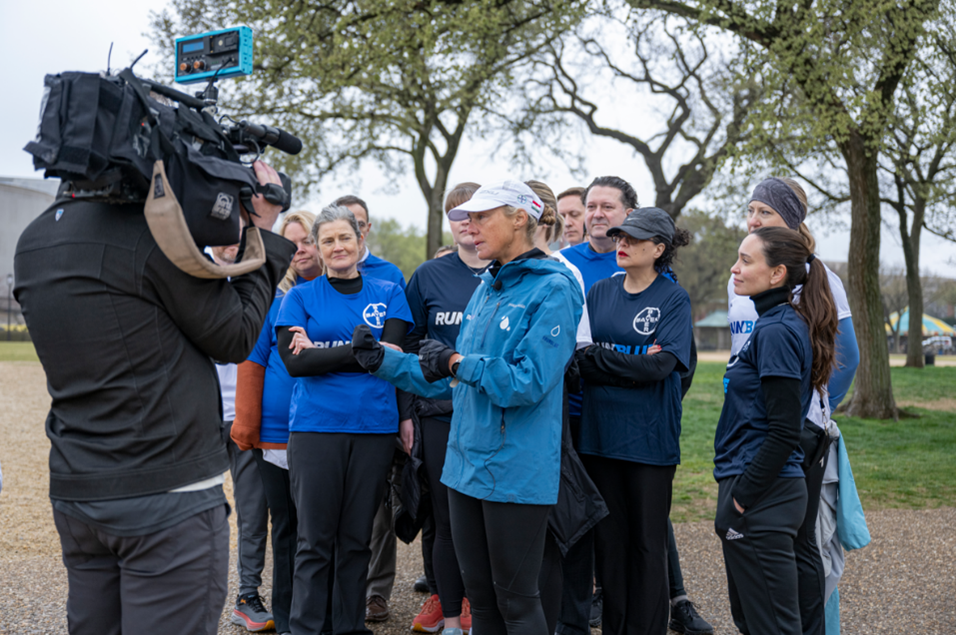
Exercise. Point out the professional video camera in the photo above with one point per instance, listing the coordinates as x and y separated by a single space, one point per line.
117 138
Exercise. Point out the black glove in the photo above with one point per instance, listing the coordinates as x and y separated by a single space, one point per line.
433 357
368 351
572 376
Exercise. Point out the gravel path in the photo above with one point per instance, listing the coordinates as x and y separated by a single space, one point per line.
904 582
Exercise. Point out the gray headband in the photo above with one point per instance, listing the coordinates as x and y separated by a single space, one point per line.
778 195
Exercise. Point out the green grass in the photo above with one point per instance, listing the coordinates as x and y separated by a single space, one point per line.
900 464
695 492
17 352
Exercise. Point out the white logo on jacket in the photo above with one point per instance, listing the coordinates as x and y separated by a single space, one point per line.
374 315
646 321
504 324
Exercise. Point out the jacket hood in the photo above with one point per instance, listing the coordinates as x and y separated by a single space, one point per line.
514 271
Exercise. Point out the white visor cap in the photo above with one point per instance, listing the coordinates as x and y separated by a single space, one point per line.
511 193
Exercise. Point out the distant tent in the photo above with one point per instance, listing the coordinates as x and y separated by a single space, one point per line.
931 325
713 332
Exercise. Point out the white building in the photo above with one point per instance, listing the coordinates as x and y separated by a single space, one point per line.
21 200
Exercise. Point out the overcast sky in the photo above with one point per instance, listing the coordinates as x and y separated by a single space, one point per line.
52 36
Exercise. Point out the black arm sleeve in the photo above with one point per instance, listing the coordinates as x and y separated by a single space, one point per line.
640 368
586 369
394 332
315 361
782 396
338 359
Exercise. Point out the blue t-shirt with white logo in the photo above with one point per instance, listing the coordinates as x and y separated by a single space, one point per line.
637 424
342 402
779 346
438 293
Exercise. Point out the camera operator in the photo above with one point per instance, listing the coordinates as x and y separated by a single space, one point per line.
127 341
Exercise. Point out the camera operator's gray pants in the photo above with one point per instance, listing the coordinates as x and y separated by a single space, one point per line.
170 581
252 515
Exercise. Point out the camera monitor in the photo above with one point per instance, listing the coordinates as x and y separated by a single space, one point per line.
219 54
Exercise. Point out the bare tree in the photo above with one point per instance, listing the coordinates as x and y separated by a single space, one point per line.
831 70
919 163
893 293
701 112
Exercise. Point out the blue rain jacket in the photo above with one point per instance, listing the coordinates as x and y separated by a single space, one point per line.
517 336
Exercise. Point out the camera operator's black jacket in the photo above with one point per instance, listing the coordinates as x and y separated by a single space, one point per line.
127 342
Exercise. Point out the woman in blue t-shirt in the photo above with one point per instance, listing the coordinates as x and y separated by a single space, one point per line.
342 422
263 393
768 386
630 421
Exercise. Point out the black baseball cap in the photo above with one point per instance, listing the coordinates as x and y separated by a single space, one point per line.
646 223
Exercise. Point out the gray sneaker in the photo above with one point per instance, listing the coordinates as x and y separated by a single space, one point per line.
250 612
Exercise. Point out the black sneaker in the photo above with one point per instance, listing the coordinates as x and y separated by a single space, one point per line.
597 609
684 619
421 585
250 612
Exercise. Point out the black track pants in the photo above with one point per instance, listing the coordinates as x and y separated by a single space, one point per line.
500 547
337 482
630 545
759 556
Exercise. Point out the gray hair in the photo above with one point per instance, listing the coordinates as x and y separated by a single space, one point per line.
330 214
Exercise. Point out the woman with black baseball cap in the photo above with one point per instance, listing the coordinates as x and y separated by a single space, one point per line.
630 423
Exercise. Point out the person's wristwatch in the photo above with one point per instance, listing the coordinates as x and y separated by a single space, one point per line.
455 364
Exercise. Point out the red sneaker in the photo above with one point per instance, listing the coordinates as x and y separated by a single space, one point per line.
430 618
465 616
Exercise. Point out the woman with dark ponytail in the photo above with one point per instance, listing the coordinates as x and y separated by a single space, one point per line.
768 387
782 202
630 423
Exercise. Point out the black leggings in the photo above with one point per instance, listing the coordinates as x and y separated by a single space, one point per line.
451 589
500 547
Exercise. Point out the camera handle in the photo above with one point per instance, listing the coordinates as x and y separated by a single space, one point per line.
210 97
210 94
275 194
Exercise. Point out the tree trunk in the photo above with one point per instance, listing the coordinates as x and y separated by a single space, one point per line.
872 393
914 286
436 214
436 205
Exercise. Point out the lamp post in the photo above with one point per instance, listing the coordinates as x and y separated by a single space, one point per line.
9 302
